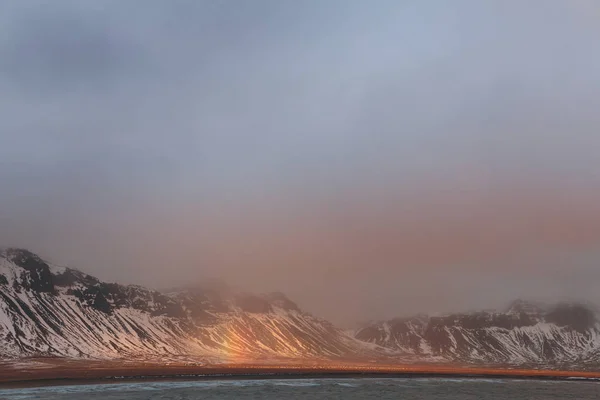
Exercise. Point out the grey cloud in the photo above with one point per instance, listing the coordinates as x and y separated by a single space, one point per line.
59 54
152 136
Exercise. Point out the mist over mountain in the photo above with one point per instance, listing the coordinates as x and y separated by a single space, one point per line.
526 333
52 311
46 310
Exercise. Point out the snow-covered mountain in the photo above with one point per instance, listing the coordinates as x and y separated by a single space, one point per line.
46 310
525 334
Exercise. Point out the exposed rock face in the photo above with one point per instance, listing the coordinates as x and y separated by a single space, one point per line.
525 334
35 274
55 311
573 316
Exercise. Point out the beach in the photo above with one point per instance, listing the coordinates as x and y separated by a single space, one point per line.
41 372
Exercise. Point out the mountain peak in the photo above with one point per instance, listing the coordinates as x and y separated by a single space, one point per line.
577 316
36 275
19 255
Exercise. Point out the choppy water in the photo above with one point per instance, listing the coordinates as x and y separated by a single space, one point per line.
367 388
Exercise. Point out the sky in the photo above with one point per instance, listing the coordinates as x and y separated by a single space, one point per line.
368 158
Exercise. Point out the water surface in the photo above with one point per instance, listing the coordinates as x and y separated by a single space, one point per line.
361 388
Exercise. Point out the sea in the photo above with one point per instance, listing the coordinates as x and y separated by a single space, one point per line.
359 388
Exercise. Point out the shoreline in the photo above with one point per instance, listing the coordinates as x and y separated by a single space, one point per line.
92 375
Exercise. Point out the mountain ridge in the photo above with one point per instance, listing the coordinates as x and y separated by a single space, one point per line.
56 311
48 310
525 334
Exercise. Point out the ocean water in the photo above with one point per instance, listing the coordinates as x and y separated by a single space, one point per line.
364 388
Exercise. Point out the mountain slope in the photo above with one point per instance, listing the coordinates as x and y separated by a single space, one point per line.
46 310
564 334
56 311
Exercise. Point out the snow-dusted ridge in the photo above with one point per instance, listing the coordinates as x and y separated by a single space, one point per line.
527 333
46 310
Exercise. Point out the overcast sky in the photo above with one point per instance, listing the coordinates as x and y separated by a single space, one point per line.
368 158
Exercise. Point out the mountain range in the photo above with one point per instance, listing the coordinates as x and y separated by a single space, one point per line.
563 335
53 311
47 310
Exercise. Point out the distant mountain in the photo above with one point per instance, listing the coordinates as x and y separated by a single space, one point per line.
46 310
566 334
